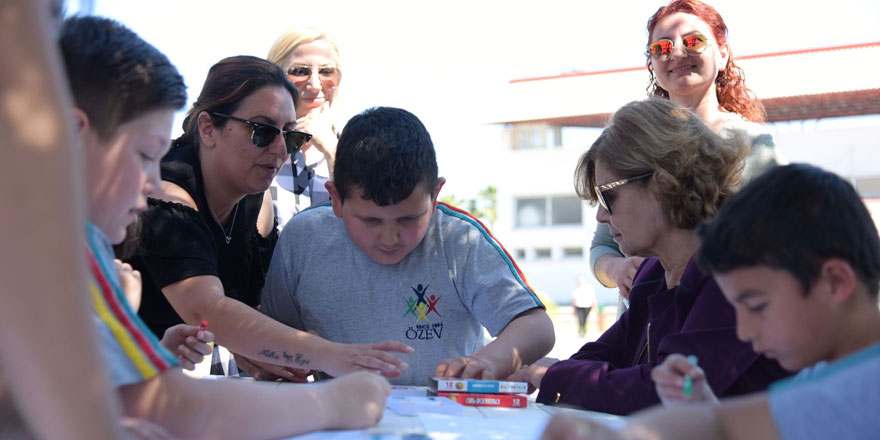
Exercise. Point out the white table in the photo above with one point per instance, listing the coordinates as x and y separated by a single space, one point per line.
477 423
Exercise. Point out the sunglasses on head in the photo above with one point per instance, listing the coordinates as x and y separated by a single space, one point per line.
263 134
606 199
693 44
303 73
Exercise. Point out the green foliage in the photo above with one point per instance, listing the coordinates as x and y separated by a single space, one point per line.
483 207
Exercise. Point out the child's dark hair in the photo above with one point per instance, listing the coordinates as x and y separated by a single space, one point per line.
386 152
114 75
229 82
793 218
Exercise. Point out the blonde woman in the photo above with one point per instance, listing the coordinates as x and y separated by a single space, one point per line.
310 57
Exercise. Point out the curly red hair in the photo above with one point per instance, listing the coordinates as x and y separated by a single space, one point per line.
730 85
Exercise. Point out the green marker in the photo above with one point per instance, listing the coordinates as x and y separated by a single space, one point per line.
689 381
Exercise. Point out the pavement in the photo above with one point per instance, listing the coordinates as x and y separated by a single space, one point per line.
565 323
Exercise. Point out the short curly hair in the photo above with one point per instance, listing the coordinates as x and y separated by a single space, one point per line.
696 169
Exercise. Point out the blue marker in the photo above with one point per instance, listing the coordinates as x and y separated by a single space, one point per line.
689 381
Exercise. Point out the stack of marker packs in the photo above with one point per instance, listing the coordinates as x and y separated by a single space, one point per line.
473 392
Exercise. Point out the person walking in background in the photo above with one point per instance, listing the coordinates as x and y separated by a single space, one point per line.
310 57
691 63
583 299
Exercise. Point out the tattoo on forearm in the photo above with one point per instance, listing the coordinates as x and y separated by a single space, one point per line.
301 360
269 354
298 358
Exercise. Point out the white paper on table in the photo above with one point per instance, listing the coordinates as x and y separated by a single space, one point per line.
408 390
529 426
414 405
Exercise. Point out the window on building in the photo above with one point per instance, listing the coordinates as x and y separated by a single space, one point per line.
536 136
548 211
531 212
573 252
554 132
868 186
520 254
566 210
542 253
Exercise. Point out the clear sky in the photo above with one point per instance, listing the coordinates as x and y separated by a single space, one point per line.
446 61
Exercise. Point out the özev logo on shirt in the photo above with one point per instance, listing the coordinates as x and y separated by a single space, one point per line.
420 307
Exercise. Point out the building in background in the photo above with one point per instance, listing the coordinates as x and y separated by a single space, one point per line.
823 108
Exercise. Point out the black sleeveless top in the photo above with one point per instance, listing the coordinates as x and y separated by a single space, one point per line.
177 242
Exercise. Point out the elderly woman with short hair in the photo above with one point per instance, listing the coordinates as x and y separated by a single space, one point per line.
657 171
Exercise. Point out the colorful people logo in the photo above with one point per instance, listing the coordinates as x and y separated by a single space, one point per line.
420 307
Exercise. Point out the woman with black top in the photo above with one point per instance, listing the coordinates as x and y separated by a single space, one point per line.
206 239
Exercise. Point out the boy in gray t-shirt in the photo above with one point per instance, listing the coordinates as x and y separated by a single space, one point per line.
383 260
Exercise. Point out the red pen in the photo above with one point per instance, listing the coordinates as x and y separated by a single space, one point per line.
203 326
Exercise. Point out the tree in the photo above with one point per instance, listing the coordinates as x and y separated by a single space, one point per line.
483 207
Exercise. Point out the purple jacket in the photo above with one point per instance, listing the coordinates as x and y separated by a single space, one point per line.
613 374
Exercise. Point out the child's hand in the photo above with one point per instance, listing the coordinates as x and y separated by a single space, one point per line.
345 411
533 373
189 344
573 427
130 281
670 377
466 367
319 123
348 358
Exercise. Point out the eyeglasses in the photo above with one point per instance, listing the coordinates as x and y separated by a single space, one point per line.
606 200
328 74
693 44
263 134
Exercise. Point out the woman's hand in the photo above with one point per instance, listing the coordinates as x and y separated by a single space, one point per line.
271 372
621 270
319 123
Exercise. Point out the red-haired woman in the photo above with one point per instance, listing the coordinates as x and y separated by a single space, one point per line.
691 63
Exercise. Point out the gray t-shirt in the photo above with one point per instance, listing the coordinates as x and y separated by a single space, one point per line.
437 299
839 401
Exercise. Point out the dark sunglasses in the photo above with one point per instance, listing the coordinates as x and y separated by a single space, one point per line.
263 134
606 199
303 73
693 44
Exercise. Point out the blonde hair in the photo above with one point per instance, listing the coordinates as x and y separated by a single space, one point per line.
295 37
696 169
